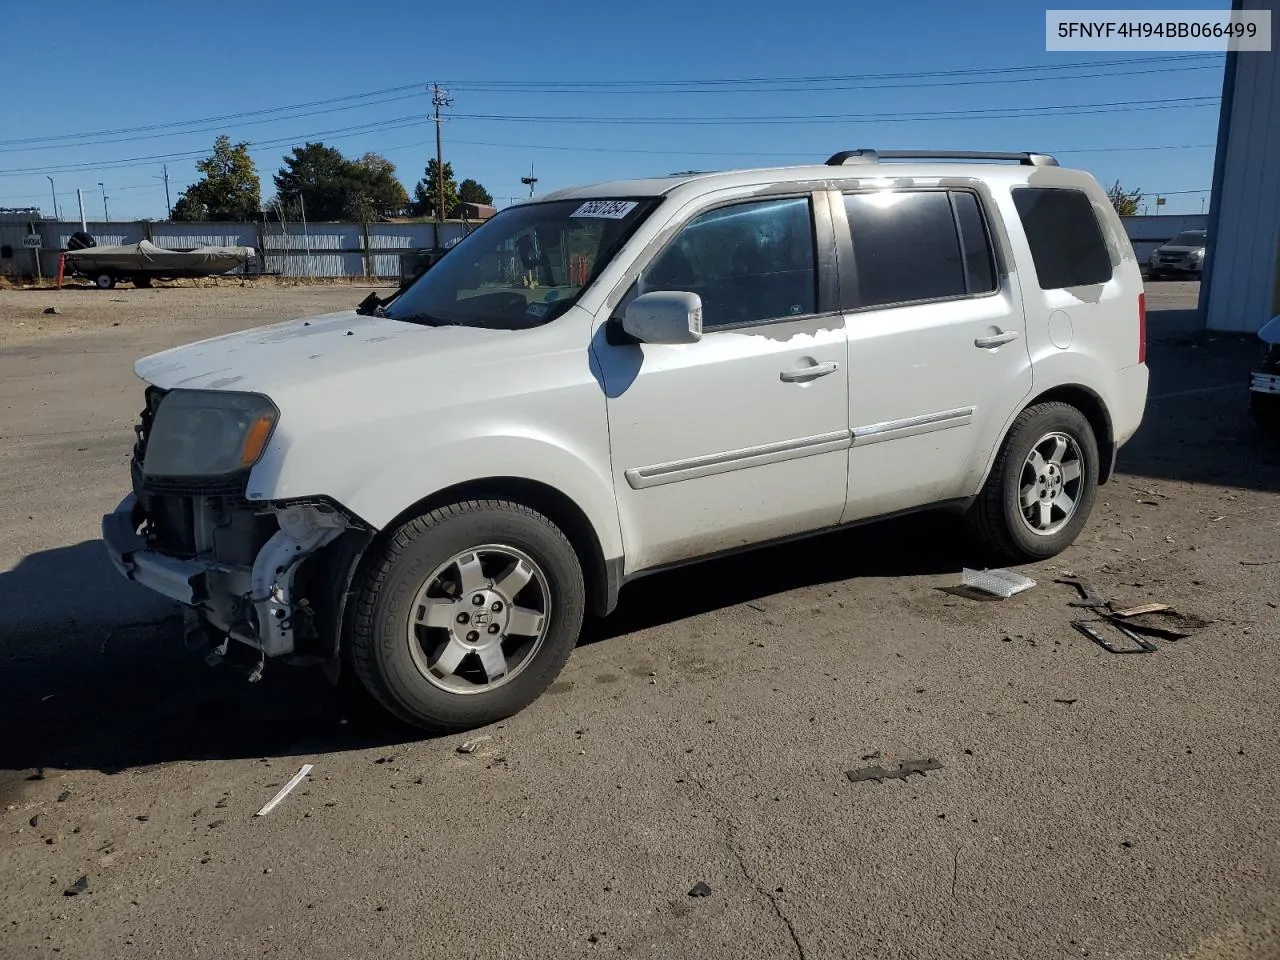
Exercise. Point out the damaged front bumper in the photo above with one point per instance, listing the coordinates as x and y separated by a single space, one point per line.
251 604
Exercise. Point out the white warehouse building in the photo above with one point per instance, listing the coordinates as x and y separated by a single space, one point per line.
1241 288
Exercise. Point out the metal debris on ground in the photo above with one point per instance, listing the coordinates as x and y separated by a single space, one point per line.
1089 597
700 889
284 791
998 583
905 769
1093 629
471 746
1168 624
77 888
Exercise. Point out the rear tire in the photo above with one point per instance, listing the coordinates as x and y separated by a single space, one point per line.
1033 506
467 615
104 281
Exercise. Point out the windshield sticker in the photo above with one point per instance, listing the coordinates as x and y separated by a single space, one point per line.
537 309
605 209
552 295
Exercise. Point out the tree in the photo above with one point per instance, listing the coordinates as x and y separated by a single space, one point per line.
228 190
314 179
328 186
425 193
380 191
1126 202
470 191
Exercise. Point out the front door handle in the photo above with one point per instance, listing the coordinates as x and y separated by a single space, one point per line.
996 339
811 372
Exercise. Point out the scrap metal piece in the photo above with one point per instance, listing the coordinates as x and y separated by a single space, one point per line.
284 791
1090 597
905 769
1089 629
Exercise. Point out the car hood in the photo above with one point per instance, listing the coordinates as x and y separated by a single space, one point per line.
273 358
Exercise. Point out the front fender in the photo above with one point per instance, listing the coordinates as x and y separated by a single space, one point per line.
378 482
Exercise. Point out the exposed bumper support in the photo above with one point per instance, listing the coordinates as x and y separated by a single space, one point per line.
219 591
181 580
1265 383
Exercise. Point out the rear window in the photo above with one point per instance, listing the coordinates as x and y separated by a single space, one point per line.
913 246
1066 242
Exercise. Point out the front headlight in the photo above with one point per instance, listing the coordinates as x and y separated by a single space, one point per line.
208 433
1197 254
1155 257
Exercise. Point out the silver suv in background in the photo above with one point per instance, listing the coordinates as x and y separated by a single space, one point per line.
1181 258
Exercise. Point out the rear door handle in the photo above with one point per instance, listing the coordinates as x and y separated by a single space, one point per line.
996 339
811 372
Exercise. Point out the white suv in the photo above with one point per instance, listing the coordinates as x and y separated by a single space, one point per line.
435 489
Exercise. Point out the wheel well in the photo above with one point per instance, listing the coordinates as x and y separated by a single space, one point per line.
552 504
1095 411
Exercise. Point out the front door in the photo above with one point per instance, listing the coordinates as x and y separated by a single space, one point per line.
743 436
938 357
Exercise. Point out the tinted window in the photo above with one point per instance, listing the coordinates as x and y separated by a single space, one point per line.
979 268
1066 242
905 247
748 262
1192 238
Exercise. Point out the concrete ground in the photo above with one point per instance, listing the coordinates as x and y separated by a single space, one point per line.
1087 805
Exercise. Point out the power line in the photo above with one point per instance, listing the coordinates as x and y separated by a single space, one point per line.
967 71
1057 71
578 91
86 142
224 117
985 113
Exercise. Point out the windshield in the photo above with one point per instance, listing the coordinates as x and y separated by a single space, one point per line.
1191 238
525 267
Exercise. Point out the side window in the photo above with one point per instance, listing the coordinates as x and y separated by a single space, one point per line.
979 267
905 246
748 262
1066 242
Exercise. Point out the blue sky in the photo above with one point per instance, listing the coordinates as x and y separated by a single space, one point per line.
151 63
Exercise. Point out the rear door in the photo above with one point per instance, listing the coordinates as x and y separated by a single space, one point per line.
938 355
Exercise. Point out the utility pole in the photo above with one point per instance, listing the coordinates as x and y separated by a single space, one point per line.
105 214
80 200
54 191
167 205
439 98
529 181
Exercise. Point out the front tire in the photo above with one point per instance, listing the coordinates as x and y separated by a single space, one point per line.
467 615
1042 487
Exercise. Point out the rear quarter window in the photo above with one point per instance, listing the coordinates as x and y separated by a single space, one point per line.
1067 246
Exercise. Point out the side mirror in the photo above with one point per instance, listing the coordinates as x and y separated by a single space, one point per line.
664 317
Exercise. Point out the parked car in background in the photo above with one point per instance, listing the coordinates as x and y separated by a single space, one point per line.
1264 383
1182 258
433 491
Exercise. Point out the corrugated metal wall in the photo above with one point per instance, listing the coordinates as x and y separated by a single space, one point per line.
322 250
1239 293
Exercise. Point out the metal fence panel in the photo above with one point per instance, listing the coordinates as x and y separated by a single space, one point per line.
179 236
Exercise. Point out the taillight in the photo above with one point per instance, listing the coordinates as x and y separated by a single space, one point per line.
1142 328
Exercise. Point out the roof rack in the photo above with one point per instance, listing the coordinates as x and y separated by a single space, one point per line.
875 156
